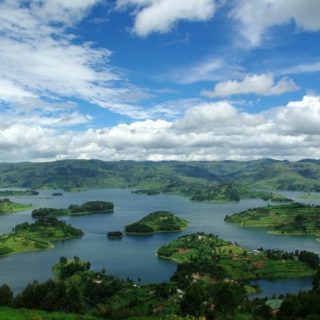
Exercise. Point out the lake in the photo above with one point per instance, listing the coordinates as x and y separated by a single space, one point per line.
134 256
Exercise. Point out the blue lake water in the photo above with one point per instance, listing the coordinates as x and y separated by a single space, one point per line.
134 256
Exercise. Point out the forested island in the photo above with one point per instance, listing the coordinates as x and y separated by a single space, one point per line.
114 235
36 236
8 207
18 193
159 221
89 207
291 219
213 258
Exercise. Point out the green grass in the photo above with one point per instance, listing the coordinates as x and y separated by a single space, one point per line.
23 314
293 219
238 262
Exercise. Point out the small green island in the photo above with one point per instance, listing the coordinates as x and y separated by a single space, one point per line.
8 207
89 207
290 219
36 236
18 193
209 258
115 235
159 221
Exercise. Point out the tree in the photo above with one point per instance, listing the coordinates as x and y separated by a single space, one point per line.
63 260
6 296
193 302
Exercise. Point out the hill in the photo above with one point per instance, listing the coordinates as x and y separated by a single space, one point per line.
185 178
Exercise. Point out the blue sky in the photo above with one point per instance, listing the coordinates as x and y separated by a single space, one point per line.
159 79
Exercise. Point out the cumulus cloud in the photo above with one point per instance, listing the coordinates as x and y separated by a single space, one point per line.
256 17
208 131
263 84
161 15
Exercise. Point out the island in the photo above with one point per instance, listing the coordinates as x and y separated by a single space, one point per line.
57 194
290 219
8 207
114 235
148 192
18 193
89 207
36 236
207 257
159 221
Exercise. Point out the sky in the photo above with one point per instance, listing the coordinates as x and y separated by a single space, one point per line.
159 79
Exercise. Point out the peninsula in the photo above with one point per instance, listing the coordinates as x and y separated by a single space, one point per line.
290 219
214 258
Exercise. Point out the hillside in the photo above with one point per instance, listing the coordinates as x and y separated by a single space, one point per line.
185 178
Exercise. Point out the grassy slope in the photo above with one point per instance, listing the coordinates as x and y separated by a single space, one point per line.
23 314
282 218
237 261
34 238
161 221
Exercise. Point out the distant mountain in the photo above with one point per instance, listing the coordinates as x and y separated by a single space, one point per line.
164 176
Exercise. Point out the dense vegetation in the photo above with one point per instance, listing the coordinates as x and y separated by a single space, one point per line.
291 219
36 236
77 289
190 179
7 206
18 193
160 221
88 207
213 258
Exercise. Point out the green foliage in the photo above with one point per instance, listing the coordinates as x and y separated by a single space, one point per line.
6 296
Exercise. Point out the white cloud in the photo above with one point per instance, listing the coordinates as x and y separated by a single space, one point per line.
208 131
263 84
256 17
161 15
302 68
40 60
